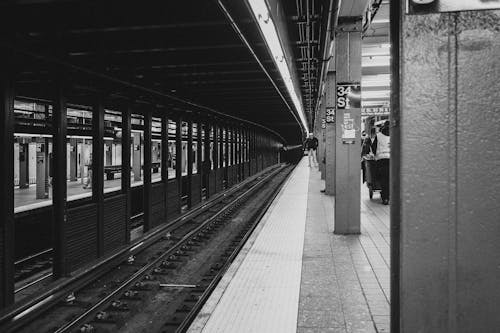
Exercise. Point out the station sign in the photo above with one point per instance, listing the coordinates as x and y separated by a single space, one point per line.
438 6
330 115
381 111
348 95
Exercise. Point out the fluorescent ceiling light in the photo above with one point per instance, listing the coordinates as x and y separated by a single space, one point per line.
380 80
377 77
268 29
376 94
377 45
32 135
366 84
374 103
377 61
376 54
375 51
380 21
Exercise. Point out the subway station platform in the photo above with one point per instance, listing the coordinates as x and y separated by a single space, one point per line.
296 275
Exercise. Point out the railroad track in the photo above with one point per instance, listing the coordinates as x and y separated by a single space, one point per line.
32 269
163 286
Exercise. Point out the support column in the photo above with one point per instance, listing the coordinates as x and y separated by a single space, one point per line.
59 189
136 157
240 154
6 185
190 163
41 169
226 145
199 164
330 133
164 158
73 163
178 155
147 170
348 125
215 152
125 169
322 142
445 188
207 165
164 147
24 157
98 170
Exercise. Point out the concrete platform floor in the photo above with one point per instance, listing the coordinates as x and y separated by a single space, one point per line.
295 275
25 199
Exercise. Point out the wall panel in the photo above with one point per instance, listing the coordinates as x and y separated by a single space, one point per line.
157 204
33 232
219 179
195 189
212 182
81 236
115 228
173 200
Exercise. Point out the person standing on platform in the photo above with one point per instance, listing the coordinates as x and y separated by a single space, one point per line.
310 145
366 150
381 147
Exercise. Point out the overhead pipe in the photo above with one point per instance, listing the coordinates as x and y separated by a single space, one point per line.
333 16
308 35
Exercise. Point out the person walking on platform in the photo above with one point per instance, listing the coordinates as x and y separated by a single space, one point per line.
310 144
381 147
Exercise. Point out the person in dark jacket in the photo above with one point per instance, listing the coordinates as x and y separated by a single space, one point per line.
310 144
381 147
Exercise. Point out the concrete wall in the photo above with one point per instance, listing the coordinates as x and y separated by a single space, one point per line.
450 173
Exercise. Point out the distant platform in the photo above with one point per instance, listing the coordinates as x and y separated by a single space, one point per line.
295 275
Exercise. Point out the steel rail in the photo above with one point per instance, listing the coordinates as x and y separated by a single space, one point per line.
32 283
41 253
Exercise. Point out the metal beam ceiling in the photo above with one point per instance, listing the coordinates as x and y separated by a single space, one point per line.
182 48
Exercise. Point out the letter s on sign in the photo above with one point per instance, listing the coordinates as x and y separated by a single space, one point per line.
341 102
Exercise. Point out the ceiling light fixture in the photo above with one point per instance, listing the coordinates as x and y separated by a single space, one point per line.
268 29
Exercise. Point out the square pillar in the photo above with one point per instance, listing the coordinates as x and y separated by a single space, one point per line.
215 145
73 163
136 155
190 163
348 125
42 181
164 158
445 188
178 154
6 186
147 170
329 133
98 169
59 189
322 142
125 168
24 157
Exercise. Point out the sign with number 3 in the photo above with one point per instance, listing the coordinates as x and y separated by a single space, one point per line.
348 95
